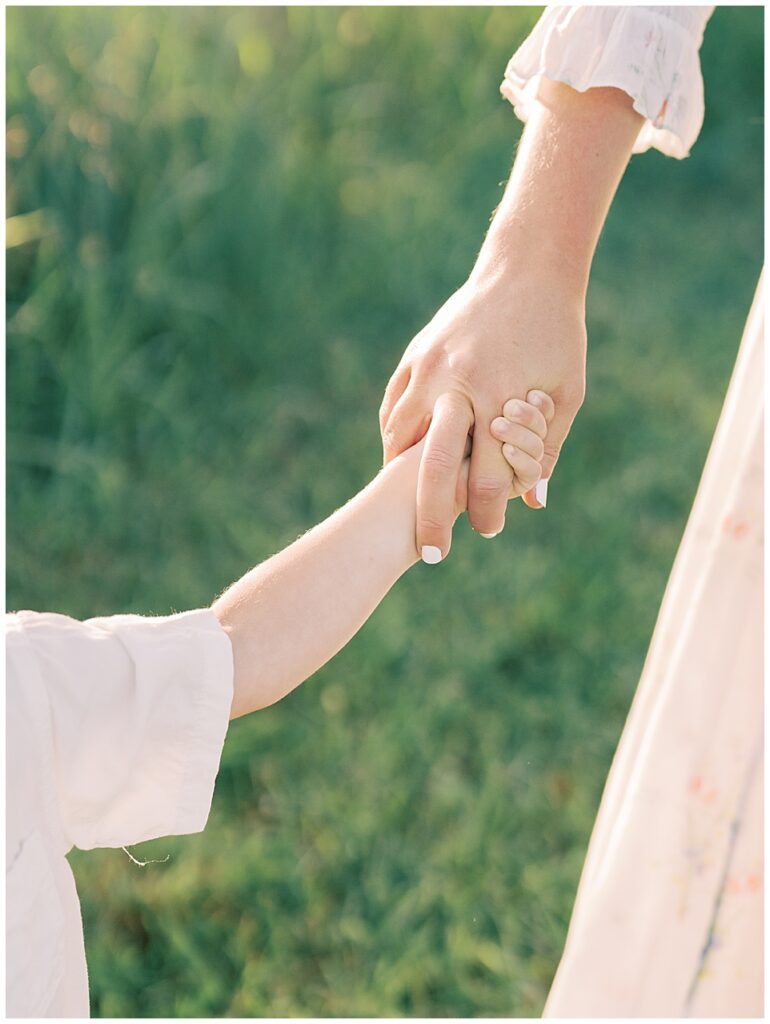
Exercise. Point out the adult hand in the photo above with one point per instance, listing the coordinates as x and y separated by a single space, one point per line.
491 340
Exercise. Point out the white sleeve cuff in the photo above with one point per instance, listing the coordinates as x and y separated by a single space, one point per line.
651 53
152 706
207 726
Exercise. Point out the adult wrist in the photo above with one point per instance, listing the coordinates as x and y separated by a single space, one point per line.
515 252
510 276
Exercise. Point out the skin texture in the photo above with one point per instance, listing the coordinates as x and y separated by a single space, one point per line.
291 614
518 322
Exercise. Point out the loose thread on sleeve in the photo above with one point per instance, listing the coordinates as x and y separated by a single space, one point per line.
143 863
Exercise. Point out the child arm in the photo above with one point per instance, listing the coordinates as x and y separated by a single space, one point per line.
288 616
291 614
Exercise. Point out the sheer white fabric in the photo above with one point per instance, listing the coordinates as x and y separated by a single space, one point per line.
651 53
668 920
115 729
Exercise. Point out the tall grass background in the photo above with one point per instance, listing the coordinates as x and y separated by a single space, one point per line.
225 224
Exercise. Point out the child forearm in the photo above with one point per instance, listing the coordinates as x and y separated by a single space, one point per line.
291 614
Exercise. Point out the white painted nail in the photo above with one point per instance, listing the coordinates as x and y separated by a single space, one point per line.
541 492
430 554
488 536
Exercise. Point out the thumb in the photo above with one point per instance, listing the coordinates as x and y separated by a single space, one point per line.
536 496
558 430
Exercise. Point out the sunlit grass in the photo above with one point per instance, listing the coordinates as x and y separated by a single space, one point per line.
224 227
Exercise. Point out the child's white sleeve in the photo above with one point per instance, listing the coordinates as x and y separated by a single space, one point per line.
129 715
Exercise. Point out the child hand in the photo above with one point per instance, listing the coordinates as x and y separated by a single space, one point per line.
522 428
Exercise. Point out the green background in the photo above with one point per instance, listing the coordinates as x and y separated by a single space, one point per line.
230 224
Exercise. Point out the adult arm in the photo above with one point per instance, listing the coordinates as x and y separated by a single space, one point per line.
519 320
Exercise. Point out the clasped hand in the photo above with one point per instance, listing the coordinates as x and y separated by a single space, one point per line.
467 375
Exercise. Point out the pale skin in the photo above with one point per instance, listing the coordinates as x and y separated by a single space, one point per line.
518 322
288 616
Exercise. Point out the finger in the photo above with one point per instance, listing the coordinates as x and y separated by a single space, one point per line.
406 424
558 429
461 491
542 401
489 484
518 411
518 436
526 470
440 464
397 385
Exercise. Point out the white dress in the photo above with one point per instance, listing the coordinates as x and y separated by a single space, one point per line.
668 919
114 731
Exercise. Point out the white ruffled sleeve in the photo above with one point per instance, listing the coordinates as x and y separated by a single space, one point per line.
651 53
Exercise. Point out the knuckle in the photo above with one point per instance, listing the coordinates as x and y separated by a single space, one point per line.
454 412
464 367
391 437
428 522
485 490
526 444
437 462
430 359
516 409
456 402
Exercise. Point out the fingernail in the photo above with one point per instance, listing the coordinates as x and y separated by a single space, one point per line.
541 492
488 536
430 554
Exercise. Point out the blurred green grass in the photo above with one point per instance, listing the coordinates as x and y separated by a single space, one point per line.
226 224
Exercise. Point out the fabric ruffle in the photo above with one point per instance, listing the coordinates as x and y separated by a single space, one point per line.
651 53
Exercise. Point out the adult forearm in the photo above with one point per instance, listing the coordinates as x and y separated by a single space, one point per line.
291 614
572 155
